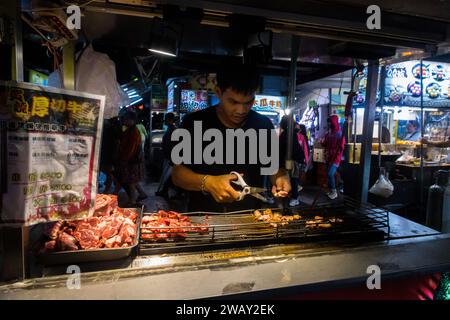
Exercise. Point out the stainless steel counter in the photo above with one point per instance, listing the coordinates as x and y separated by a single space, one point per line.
292 267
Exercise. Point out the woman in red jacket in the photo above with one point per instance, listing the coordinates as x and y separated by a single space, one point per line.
334 147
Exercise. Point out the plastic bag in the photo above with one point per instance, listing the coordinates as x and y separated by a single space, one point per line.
96 73
405 157
383 187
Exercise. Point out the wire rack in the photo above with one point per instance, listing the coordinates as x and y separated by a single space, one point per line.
346 219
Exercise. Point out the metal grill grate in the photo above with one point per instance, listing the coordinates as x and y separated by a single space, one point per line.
344 219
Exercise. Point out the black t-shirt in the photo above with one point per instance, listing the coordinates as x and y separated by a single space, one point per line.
252 175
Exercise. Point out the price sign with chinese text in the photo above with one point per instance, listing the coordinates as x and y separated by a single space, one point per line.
52 141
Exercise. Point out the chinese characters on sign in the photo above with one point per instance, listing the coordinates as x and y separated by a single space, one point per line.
269 103
53 140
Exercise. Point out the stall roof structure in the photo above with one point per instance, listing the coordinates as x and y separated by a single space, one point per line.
333 34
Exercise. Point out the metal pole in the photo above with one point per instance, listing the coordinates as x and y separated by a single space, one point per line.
150 127
380 122
69 65
11 10
355 121
14 239
422 209
369 118
18 46
292 89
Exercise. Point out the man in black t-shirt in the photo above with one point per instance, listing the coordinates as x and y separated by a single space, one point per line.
209 183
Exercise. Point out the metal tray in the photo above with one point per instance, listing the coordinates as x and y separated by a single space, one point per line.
102 254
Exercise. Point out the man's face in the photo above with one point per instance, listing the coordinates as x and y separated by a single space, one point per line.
235 106
410 128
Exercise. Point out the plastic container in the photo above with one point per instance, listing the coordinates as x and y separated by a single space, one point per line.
435 210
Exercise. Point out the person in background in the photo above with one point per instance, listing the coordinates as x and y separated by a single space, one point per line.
302 137
143 133
385 135
110 139
412 131
297 155
130 160
333 143
164 182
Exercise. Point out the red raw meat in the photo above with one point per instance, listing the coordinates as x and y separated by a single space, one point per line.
113 227
128 213
148 236
82 225
52 229
169 224
66 242
112 242
113 201
104 212
110 226
50 245
105 204
93 221
101 201
100 228
127 231
128 240
87 239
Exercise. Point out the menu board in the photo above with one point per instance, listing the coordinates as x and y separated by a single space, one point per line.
159 98
359 101
171 97
269 103
51 140
403 84
193 100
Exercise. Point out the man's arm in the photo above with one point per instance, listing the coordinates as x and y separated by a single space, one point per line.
218 186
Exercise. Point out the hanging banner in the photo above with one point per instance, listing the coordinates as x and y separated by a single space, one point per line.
159 98
171 97
52 139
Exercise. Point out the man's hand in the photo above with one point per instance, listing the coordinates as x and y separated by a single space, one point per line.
282 185
220 188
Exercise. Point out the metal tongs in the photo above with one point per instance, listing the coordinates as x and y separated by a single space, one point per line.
246 189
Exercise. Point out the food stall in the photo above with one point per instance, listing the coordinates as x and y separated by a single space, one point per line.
134 253
405 115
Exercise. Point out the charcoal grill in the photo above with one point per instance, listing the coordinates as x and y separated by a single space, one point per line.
235 229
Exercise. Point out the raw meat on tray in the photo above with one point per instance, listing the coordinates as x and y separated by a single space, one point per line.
109 227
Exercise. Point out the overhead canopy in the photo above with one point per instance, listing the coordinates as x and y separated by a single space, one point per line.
332 34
